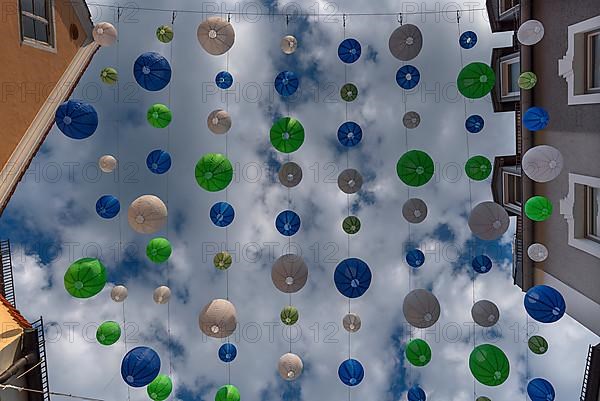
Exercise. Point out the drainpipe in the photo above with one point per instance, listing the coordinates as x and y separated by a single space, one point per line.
17 366
526 143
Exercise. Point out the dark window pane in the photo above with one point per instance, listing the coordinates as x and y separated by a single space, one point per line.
27 27
41 31
595 60
514 72
27 5
40 8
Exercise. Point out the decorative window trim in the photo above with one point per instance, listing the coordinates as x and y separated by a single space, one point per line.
505 61
505 202
507 12
572 66
572 207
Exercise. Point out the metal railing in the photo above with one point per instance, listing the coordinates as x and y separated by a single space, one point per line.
7 288
38 325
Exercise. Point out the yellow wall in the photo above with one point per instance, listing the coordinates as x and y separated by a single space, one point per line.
28 74
10 338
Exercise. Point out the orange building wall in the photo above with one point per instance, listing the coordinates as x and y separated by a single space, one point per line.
28 74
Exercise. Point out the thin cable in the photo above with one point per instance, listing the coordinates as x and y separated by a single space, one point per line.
462 64
31 390
228 365
280 14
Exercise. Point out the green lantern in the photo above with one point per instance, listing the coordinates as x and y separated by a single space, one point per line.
287 135
538 345
418 352
158 250
214 172
228 393
160 388
489 365
108 333
349 92
351 225
85 278
289 315
476 80
109 76
527 80
222 260
538 208
415 168
164 33
159 115
483 398
478 168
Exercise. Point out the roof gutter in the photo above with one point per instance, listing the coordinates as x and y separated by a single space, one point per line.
526 143
18 366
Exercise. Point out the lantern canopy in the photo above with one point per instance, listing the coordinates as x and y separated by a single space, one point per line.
76 119
476 80
544 304
290 366
105 34
218 319
539 389
152 71
414 210
107 163
349 50
289 44
162 295
468 40
227 352
488 221
411 119
489 365
530 32
485 313
351 322
160 388
219 121
85 278
350 181
405 42
158 161
164 33
352 277
542 163
290 174
415 168
222 214
289 273
213 172
537 252
216 35
108 333
107 206
421 308
118 293
286 83
287 135
140 366
418 352
536 119
481 264
147 214
351 372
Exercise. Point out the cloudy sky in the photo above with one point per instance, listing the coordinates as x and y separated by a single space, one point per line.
51 219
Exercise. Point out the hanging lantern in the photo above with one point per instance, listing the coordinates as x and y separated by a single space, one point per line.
351 225
538 208
415 258
542 163
405 42
76 119
147 214
468 40
216 35
349 134
485 313
290 174
544 304
351 372
287 135
224 80
290 366
474 123
351 322
537 252
476 80
160 388
228 393
159 116
349 50
219 121
287 223
158 161
85 278
109 75
488 221
158 250
414 210
481 264
289 315
350 181
289 273
218 319
140 366
227 352
289 44
105 34
214 172
221 214
418 352
421 308
536 119
286 83
152 71
349 92
416 393
411 119
222 260
352 277
162 295
530 32
408 77
108 333
118 293
489 365
107 206
164 33
107 163
539 389
415 168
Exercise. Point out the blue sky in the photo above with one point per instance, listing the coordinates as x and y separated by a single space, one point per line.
48 213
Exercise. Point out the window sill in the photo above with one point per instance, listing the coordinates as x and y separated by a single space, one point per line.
39 45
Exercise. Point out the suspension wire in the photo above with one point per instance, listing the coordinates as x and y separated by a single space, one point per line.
119 250
31 390
228 364
289 193
473 277
168 268
282 14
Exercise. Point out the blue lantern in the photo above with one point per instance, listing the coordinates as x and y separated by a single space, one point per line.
474 124
107 206
224 80
416 393
415 258
351 372
481 264
349 134
536 118
408 76
76 119
287 223
222 214
349 50
352 277
540 389
158 161
140 366
286 83
544 304
468 40
152 71
227 352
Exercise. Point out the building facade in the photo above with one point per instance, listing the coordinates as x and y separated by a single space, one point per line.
567 64
46 46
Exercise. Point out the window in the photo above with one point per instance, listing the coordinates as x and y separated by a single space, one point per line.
511 191
510 69
507 6
592 61
580 66
592 217
580 208
36 22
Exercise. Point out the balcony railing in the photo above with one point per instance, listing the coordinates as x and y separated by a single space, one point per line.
39 326
7 288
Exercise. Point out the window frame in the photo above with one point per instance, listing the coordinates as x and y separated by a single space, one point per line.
506 195
50 45
504 62
589 49
510 10
590 227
